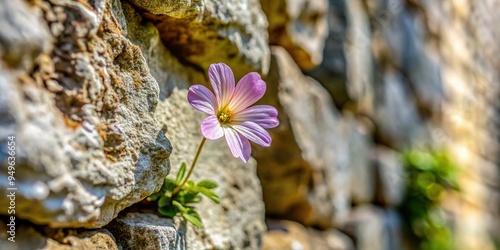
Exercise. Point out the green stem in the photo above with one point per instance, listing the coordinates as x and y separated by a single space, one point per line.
176 190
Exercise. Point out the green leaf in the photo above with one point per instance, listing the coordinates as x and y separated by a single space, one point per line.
196 199
181 173
168 185
164 201
169 181
209 194
154 196
167 211
179 206
193 212
181 197
207 184
192 197
190 183
194 218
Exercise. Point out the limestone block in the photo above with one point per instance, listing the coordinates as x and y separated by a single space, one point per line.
395 112
300 168
284 235
29 236
203 32
299 26
391 176
146 231
24 35
87 142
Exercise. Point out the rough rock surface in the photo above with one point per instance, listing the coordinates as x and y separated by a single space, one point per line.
29 236
88 144
296 172
146 231
366 225
200 33
391 176
358 56
360 168
167 70
291 235
395 112
331 73
25 38
412 66
299 26
238 222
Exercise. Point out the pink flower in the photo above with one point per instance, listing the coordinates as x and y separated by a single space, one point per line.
230 112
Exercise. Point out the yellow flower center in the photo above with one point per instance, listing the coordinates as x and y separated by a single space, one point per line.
224 116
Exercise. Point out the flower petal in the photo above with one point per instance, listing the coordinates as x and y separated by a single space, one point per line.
253 132
211 129
202 99
263 115
222 80
240 146
249 90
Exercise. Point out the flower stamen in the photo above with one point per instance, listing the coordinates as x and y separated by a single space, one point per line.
224 116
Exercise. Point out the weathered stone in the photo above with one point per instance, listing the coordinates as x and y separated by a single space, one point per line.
331 239
297 170
361 169
238 221
146 231
285 235
28 236
398 41
23 37
425 76
395 112
394 229
81 240
175 8
331 73
391 176
163 66
366 226
494 212
483 19
291 235
87 142
359 56
489 173
395 40
299 26
200 33
471 231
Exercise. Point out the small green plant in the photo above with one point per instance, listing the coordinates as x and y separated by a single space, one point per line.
172 203
429 175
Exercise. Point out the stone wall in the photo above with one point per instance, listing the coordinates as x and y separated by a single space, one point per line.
94 92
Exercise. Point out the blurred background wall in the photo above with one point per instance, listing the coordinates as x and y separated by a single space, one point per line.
402 75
